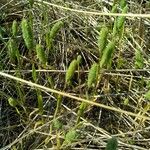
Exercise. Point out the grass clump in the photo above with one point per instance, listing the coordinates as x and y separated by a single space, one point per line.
27 34
120 21
50 36
92 76
102 40
41 54
112 144
14 28
12 50
70 71
107 55
139 59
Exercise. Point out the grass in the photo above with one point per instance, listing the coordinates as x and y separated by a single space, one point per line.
74 75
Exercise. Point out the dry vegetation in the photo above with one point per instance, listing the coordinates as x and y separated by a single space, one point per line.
73 76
